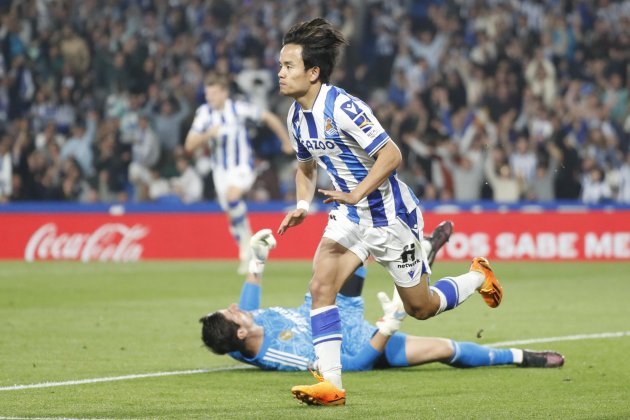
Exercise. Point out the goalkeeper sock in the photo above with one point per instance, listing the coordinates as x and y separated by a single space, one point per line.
326 327
455 290
474 355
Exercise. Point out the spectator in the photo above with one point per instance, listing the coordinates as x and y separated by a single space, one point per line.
79 145
6 169
506 188
145 152
594 188
624 181
541 186
551 71
168 123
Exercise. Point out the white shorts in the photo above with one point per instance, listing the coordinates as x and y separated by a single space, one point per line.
241 177
396 247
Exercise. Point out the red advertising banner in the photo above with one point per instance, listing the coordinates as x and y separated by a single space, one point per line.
593 235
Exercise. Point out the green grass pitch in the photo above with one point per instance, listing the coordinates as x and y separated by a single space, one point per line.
72 321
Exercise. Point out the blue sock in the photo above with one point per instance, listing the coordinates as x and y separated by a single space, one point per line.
449 289
474 355
326 327
237 213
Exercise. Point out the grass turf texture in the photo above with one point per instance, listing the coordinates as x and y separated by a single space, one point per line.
72 321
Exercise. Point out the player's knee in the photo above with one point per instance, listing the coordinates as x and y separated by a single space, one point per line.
420 313
322 290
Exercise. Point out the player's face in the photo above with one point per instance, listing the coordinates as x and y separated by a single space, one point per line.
216 95
293 78
235 314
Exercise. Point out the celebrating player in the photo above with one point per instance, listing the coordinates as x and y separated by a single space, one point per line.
220 124
279 338
375 213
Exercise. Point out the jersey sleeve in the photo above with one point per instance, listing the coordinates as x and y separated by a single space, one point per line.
202 120
356 119
250 296
302 153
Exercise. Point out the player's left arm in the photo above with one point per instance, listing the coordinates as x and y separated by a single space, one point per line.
260 244
279 129
388 158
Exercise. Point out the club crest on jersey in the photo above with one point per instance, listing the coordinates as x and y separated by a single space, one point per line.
330 129
285 335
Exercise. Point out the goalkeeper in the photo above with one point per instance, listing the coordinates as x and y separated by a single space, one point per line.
279 338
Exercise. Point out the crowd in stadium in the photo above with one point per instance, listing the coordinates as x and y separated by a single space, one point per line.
487 99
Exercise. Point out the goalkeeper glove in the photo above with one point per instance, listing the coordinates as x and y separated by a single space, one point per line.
393 313
261 243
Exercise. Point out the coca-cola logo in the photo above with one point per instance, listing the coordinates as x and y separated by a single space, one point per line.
109 242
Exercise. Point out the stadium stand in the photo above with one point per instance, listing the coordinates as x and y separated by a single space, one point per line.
498 100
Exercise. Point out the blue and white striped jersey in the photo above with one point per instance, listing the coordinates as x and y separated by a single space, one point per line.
233 147
342 134
288 341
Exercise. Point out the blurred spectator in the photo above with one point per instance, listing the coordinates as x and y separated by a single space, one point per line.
74 186
594 188
506 188
549 72
74 50
6 169
167 120
624 181
187 187
145 152
542 186
79 145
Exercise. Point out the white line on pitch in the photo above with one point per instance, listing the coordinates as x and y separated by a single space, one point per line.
121 378
564 338
45 418
229 368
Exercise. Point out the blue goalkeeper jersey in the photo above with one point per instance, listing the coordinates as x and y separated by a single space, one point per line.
288 342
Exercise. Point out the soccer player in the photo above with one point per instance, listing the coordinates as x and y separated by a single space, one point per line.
375 213
279 338
220 124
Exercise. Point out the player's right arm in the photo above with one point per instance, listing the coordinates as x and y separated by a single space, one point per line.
201 130
305 182
194 139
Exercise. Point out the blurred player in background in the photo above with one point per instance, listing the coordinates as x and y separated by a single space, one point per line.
375 213
219 124
279 338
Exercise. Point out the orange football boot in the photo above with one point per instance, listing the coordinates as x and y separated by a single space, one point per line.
322 393
491 291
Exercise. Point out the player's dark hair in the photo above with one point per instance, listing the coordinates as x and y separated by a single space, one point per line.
320 43
219 334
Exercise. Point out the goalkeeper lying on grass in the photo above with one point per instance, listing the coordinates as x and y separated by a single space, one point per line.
279 338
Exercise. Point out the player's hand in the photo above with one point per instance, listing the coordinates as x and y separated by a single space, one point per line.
393 313
261 243
293 218
339 197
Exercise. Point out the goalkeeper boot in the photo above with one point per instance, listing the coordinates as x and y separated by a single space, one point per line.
438 238
541 359
322 393
491 291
